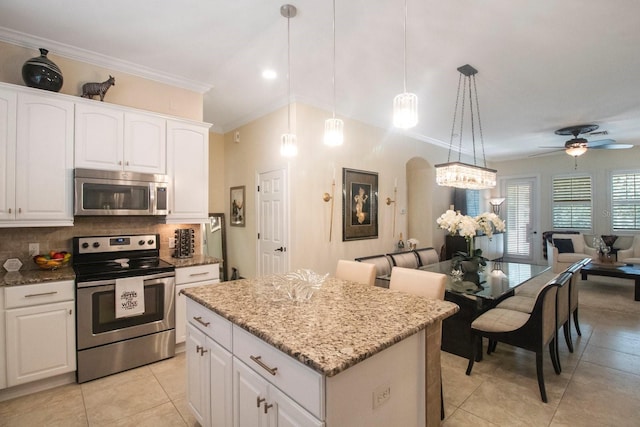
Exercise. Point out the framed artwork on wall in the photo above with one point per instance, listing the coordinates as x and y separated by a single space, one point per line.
359 205
237 206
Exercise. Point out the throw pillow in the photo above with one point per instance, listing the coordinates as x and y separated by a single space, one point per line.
563 245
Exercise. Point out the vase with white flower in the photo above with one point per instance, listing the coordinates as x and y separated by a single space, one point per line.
468 227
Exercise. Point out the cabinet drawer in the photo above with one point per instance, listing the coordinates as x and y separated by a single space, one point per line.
39 293
300 382
214 326
197 273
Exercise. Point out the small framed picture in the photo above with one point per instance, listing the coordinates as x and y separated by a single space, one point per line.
359 205
237 206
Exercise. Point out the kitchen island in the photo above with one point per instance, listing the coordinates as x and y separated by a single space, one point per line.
350 355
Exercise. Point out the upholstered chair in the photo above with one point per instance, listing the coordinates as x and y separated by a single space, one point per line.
406 259
531 331
383 268
427 256
565 249
356 271
631 255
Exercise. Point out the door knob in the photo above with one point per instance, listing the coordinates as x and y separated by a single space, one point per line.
280 249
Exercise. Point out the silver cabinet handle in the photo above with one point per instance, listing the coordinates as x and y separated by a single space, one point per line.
259 400
258 360
9 210
41 294
204 273
201 350
120 162
199 320
267 406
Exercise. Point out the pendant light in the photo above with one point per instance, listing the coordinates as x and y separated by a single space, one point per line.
405 105
334 128
288 145
458 174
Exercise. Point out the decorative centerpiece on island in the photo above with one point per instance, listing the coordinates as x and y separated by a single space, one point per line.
468 227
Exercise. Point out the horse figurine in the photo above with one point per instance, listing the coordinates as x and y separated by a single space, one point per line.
89 90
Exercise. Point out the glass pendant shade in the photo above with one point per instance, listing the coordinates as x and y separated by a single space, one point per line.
333 132
462 175
289 145
576 151
405 110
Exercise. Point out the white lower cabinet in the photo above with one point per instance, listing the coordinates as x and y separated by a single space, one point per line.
209 379
259 403
188 277
40 331
3 359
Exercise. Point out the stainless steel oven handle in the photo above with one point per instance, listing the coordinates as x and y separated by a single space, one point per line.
41 294
199 320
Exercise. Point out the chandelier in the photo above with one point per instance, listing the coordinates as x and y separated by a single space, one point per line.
334 128
405 105
459 174
288 141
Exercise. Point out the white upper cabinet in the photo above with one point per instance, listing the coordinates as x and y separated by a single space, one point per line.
37 190
188 169
108 138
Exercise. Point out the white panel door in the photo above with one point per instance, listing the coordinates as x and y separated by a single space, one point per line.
273 224
198 378
145 143
250 392
99 139
221 368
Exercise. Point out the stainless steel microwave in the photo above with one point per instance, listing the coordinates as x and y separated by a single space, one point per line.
107 193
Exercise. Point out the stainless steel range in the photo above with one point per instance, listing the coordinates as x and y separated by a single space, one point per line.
114 275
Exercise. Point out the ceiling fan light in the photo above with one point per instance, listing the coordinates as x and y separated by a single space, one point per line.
333 132
576 151
405 110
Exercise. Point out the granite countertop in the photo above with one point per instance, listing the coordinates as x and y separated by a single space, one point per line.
194 260
28 277
342 324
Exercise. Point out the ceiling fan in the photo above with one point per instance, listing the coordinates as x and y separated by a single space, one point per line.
578 146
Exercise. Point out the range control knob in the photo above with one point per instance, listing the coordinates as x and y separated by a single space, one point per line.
150 242
96 244
85 245
141 242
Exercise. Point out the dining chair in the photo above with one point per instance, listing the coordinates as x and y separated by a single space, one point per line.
422 283
383 268
531 331
574 269
406 259
356 271
427 256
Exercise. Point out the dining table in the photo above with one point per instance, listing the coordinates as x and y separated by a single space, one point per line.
476 293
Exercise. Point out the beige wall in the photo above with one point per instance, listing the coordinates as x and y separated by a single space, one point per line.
311 172
129 90
216 174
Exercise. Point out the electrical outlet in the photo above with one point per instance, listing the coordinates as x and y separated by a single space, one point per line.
172 242
34 249
381 395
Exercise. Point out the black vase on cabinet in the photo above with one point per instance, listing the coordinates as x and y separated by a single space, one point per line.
42 73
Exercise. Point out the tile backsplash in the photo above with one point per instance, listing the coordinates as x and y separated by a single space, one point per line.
14 242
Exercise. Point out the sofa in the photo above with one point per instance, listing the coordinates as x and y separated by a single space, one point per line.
566 249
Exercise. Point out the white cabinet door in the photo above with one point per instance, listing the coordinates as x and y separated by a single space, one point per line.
40 342
188 169
145 143
3 360
99 142
287 413
221 396
198 390
8 101
250 393
181 308
44 160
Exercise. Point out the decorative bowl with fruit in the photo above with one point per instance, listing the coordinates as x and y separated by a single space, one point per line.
52 260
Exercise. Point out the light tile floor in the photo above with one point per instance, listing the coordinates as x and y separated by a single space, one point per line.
599 386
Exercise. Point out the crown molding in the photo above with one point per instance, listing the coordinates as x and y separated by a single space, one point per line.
77 54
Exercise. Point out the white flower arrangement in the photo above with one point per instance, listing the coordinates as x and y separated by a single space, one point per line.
467 226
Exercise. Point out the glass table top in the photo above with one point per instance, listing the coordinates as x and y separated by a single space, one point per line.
495 280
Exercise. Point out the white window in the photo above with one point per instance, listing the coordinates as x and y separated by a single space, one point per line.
625 200
473 202
572 205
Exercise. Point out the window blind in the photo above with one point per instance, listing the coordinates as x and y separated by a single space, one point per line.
572 204
625 201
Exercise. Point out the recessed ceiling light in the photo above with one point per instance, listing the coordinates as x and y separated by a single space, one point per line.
269 74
